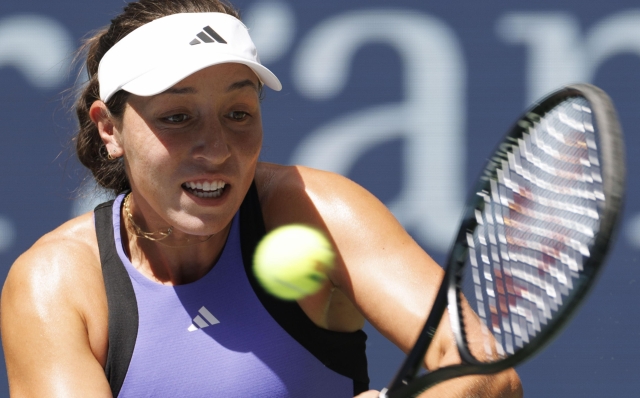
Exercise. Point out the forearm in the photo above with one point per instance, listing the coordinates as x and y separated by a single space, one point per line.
502 385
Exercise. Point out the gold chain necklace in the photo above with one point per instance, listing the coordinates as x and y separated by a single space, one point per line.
137 231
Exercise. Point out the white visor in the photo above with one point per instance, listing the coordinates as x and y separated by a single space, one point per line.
163 52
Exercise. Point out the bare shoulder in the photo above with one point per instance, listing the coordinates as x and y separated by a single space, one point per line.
68 250
353 217
54 315
348 214
374 251
59 268
301 194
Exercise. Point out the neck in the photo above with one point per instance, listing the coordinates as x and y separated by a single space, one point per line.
171 265
172 258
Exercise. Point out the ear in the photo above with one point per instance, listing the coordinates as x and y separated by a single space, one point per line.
107 128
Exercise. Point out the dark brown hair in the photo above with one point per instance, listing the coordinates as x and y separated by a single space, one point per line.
90 149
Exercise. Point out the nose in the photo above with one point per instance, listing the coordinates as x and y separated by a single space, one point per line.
211 144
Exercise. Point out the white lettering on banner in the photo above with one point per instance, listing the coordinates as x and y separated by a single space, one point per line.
7 234
39 47
558 54
431 119
555 55
633 231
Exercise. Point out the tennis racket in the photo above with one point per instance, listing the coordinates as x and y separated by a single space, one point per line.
533 238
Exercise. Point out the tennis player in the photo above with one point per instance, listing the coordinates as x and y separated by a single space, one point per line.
152 294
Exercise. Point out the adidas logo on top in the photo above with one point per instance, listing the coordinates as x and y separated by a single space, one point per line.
205 319
208 35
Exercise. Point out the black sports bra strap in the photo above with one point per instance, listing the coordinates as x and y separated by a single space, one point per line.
121 300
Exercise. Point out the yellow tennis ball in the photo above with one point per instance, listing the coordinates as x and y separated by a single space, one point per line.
292 261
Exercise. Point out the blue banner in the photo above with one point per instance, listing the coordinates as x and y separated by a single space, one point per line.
406 97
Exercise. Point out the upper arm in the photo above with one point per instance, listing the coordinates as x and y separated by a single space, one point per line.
383 270
46 325
387 276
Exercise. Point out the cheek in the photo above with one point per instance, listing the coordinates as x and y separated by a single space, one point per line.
147 168
146 156
248 145
148 150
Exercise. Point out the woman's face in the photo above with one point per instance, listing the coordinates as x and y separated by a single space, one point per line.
191 152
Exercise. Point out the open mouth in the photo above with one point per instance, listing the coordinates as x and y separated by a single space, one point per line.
207 189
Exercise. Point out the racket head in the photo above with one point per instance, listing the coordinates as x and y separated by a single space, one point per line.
536 228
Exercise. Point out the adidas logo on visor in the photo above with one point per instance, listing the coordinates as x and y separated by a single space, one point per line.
208 35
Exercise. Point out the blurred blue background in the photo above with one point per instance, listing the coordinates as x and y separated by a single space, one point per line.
406 97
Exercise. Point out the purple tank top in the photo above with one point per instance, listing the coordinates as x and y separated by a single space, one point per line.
213 337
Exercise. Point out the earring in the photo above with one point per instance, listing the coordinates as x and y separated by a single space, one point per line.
109 156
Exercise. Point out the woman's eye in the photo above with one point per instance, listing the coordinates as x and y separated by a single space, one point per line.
179 118
238 115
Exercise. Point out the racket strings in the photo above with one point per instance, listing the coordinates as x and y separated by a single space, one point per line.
536 222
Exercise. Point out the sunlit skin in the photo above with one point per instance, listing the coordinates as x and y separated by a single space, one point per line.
208 128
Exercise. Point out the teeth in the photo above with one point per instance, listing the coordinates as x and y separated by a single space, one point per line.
207 189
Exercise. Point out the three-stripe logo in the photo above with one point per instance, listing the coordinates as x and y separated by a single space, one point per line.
208 35
205 319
